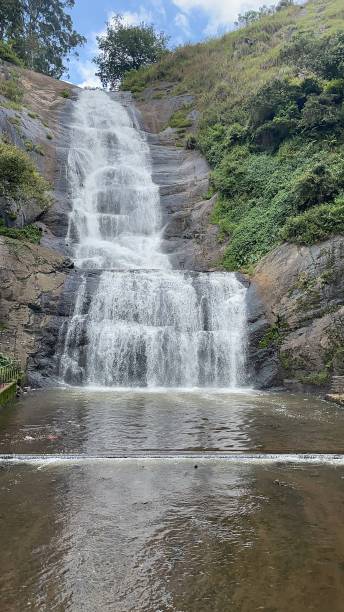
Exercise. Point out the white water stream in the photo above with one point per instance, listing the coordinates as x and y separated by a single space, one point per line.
144 324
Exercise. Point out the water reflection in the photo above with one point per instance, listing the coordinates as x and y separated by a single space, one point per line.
128 537
154 535
99 423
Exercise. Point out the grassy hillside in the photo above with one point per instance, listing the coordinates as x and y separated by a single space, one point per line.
271 97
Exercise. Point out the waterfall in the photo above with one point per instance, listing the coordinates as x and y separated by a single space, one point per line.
137 322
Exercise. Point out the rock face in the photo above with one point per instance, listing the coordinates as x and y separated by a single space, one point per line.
190 239
32 279
302 289
31 276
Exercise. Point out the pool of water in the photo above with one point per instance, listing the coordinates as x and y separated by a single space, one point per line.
182 501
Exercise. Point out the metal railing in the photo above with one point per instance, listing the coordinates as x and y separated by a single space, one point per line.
9 373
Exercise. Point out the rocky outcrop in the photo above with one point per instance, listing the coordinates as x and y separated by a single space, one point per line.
190 238
32 279
40 128
32 276
302 289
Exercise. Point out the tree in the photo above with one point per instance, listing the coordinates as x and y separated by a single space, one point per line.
10 18
284 4
251 16
127 47
40 32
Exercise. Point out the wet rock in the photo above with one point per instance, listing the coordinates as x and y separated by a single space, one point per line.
32 280
302 292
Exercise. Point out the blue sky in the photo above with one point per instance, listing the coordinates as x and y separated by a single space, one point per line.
183 20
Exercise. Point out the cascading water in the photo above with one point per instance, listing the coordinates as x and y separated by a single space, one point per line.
144 324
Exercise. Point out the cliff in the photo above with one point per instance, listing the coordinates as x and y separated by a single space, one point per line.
33 118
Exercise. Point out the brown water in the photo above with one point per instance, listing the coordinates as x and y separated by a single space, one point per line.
120 519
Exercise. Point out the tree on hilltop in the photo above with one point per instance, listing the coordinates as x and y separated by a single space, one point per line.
127 47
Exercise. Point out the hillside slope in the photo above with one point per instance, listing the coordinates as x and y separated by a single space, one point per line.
265 105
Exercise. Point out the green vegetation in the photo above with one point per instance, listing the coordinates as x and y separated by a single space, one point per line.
19 178
39 35
127 47
316 378
6 360
273 336
179 119
11 88
65 93
9 55
271 97
30 233
316 224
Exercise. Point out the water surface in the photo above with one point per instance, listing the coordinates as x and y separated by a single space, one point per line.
187 531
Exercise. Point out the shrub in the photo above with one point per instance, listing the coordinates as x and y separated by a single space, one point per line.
19 177
322 55
10 88
179 119
8 55
320 114
315 186
271 134
6 360
277 98
316 224
31 233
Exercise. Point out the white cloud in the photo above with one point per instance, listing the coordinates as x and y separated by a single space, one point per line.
86 71
182 22
221 13
134 17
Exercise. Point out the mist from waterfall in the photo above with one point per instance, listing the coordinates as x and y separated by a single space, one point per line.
143 324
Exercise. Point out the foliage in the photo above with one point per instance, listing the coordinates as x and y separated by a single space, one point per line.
127 47
260 192
273 336
179 119
272 124
322 55
251 16
40 33
316 378
30 233
11 88
316 224
6 360
10 18
19 178
8 55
